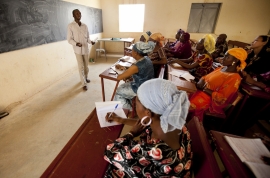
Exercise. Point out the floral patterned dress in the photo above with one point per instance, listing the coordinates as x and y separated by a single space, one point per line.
205 62
149 157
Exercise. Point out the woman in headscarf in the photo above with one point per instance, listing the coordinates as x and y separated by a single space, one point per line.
173 45
200 63
141 71
164 148
217 89
157 56
182 51
145 36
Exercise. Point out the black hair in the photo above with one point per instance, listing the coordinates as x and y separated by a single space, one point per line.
74 11
266 39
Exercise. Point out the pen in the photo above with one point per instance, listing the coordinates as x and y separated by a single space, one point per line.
113 110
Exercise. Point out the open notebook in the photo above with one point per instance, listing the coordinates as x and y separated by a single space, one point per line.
183 74
249 150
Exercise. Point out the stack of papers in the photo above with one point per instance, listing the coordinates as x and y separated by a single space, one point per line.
103 108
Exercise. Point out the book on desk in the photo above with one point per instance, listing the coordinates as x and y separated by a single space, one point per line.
249 151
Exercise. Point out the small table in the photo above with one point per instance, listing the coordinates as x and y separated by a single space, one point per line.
233 165
107 75
126 41
83 155
181 84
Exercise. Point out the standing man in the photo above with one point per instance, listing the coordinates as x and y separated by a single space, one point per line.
78 37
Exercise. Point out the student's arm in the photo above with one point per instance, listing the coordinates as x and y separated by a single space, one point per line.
130 71
188 66
162 61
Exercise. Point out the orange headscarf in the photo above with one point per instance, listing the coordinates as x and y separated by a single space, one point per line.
240 54
158 37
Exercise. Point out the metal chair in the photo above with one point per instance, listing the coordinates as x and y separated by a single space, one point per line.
100 50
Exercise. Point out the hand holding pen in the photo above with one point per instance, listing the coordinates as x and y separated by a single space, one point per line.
113 110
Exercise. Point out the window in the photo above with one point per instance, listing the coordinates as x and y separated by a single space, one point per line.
131 17
203 17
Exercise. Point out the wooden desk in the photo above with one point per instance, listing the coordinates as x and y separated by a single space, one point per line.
106 74
83 154
250 92
126 41
181 84
231 161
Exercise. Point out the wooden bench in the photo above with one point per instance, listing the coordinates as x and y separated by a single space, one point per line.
83 155
204 164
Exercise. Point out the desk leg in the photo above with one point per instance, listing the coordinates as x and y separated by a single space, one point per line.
114 90
102 87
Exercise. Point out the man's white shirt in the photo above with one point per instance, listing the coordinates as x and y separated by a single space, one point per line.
78 34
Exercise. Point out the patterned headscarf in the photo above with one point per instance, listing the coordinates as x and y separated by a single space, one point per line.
158 37
209 43
240 54
146 36
163 98
143 48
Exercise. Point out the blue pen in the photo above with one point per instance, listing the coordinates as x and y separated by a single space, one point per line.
113 110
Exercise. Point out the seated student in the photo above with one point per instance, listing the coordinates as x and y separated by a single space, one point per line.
257 71
145 36
183 50
173 45
217 88
156 57
200 63
141 71
164 148
221 47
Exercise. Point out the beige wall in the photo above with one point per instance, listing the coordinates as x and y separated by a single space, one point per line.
28 71
241 20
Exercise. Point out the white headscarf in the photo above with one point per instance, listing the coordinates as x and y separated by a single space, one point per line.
143 48
163 98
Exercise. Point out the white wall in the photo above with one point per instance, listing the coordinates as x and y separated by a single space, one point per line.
241 20
27 71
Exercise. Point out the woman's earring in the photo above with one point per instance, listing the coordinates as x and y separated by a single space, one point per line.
147 124
233 63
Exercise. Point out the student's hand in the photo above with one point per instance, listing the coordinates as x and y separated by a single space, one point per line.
114 117
137 129
171 60
79 44
201 84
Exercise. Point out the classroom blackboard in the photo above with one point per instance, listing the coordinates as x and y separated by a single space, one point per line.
27 23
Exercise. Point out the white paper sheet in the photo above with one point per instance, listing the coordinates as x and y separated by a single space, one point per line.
104 107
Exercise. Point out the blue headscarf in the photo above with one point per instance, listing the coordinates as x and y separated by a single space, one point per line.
162 97
144 48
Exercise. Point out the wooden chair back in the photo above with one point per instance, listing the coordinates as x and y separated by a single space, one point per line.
237 44
204 162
